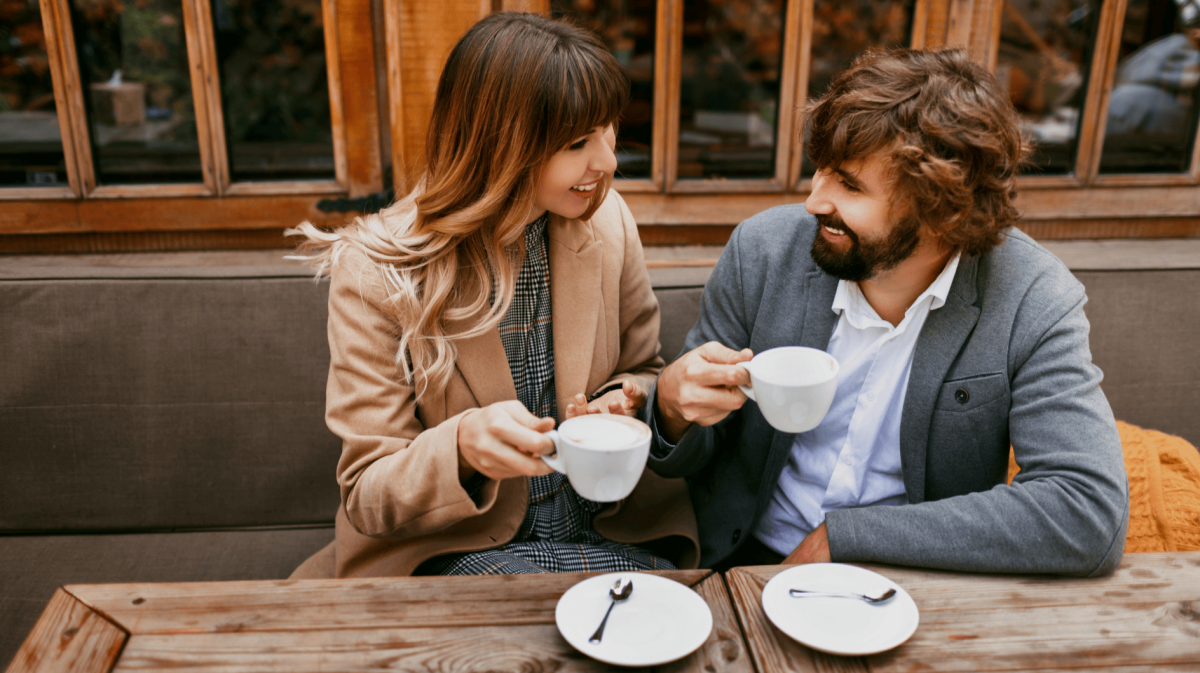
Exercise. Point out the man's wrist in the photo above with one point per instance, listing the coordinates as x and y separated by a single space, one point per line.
669 428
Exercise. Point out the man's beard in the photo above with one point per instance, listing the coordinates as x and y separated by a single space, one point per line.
864 260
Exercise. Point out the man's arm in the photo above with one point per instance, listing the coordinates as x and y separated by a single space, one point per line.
1067 510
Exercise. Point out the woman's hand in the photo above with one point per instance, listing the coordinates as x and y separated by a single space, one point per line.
627 401
503 440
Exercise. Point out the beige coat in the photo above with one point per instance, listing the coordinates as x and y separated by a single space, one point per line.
402 502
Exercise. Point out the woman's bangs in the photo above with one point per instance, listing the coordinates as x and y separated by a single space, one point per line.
589 91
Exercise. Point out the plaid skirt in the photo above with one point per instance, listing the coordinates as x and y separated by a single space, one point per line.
555 537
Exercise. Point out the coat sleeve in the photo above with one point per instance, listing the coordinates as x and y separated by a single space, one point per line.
1068 508
398 479
639 317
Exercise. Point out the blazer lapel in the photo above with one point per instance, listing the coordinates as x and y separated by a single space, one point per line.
819 318
484 366
942 337
576 300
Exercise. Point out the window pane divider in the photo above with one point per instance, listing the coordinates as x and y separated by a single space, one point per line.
147 191
333 65
1195 171
670 39
920 28
266 188
667 23
395 92
77 147
793 94
206 94
1048 181
1143 180
36 193
632 185
727 186
1100 82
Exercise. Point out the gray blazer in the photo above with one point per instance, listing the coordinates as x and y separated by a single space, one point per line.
1005 360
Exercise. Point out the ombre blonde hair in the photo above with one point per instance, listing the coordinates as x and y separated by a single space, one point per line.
516 89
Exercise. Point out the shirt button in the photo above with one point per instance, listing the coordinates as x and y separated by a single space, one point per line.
870 397
961 396
737 535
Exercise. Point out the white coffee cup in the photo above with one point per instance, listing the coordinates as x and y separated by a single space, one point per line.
793 386
603 455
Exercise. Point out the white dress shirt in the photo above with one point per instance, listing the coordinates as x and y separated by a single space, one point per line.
852 459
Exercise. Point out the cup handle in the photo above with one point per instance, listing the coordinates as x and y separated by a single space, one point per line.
554 461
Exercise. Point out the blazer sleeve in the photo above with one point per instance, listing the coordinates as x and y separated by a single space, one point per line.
397 478
639 317
1067 510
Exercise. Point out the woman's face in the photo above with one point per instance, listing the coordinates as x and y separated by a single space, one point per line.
570 178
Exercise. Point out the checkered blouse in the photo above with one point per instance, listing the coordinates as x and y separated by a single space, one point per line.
557 533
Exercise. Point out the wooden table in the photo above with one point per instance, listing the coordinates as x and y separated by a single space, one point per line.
1145 618
398 624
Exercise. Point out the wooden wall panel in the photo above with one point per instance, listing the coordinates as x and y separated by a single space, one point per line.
360 104
420 37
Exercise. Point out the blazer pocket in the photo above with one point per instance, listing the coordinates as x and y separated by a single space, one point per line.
968 438
970 393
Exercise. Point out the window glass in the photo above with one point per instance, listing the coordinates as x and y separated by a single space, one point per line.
1045 50
31 152
134 70
628 28
274 89
1152 111
729 94
843 29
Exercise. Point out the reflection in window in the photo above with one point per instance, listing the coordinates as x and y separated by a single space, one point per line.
1152 111
843 29
134 69
729 98
627 27
1045 50
274 89
31 153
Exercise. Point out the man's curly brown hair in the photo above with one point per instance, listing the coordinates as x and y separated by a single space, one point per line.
952 137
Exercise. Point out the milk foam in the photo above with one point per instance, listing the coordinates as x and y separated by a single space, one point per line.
595 432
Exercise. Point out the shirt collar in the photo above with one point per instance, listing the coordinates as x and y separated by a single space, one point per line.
849 297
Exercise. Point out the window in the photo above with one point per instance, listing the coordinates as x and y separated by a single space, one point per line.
229 120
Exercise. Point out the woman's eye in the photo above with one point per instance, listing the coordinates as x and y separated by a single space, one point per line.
578 144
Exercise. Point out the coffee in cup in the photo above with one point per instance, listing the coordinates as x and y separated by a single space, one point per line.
793 386
603 455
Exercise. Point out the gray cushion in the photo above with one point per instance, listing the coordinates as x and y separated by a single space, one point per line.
34 566
142 404
1144 333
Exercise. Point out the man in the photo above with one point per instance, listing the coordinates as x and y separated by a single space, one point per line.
956 335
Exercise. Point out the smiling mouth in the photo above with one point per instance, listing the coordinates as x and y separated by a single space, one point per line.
835 231
585 189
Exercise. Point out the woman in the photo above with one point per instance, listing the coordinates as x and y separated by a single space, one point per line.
508 287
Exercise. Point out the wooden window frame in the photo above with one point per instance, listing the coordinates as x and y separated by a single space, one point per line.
356 152
417 35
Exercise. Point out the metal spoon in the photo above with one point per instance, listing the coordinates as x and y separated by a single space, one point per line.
873 600
619 592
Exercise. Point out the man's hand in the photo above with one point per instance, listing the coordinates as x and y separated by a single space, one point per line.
814 548
503 440
626 401
701 387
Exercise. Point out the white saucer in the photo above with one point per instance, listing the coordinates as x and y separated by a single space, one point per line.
661 621
845 626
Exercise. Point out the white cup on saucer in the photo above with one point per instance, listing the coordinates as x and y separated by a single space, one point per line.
793 386
603 455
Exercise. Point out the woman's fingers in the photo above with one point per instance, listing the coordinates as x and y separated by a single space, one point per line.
503 440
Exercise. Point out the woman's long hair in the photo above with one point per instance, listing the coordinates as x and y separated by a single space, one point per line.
516 89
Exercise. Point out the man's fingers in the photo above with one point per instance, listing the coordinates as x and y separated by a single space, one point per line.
720 354
716 375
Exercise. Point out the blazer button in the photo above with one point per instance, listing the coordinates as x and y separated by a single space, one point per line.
737 535
961 396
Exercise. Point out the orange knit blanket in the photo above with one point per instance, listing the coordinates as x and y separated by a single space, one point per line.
1164 490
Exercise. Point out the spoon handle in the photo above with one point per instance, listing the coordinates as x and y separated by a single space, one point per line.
600 631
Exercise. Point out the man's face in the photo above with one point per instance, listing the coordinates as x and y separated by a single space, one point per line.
858 238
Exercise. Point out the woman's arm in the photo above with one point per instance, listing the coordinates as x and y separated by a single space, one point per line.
398 478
